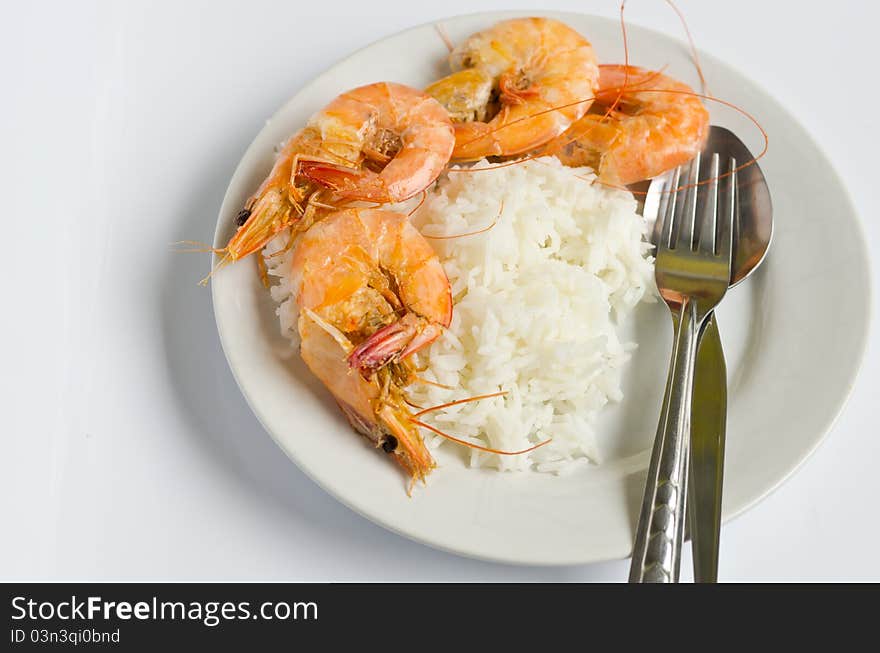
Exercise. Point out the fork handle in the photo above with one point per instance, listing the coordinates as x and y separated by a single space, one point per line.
657 547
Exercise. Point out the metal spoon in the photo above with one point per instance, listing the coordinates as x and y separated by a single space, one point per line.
752 236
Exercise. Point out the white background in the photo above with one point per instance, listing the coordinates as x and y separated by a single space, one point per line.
127 450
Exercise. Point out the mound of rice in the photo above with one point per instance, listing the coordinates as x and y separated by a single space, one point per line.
538 300
539 294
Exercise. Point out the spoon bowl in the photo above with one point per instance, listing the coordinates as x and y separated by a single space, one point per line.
753 230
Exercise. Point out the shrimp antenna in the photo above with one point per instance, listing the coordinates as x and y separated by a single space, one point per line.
419 205
441 31
193 246
472 233
420 379
456 403
500 452
199 247
412 404
694 55
220 264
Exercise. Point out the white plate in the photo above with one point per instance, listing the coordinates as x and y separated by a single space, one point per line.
794 337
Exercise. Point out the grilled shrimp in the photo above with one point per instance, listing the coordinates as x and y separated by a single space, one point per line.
371 292
382 143
516 85
658 124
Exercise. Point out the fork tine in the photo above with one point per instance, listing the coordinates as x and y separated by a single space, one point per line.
668 215
687 209
663 186
709 217
724 246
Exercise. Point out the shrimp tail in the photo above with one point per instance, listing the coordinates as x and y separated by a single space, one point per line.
393 342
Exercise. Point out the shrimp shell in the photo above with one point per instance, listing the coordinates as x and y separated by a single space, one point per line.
382 142
400 129
658 124
371 292
534 76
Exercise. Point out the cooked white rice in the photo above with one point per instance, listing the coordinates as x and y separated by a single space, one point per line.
539 297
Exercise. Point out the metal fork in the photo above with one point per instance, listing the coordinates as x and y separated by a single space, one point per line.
692 270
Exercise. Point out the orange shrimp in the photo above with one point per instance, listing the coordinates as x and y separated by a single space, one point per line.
383 142
371 292
516 86
642 124
388 142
